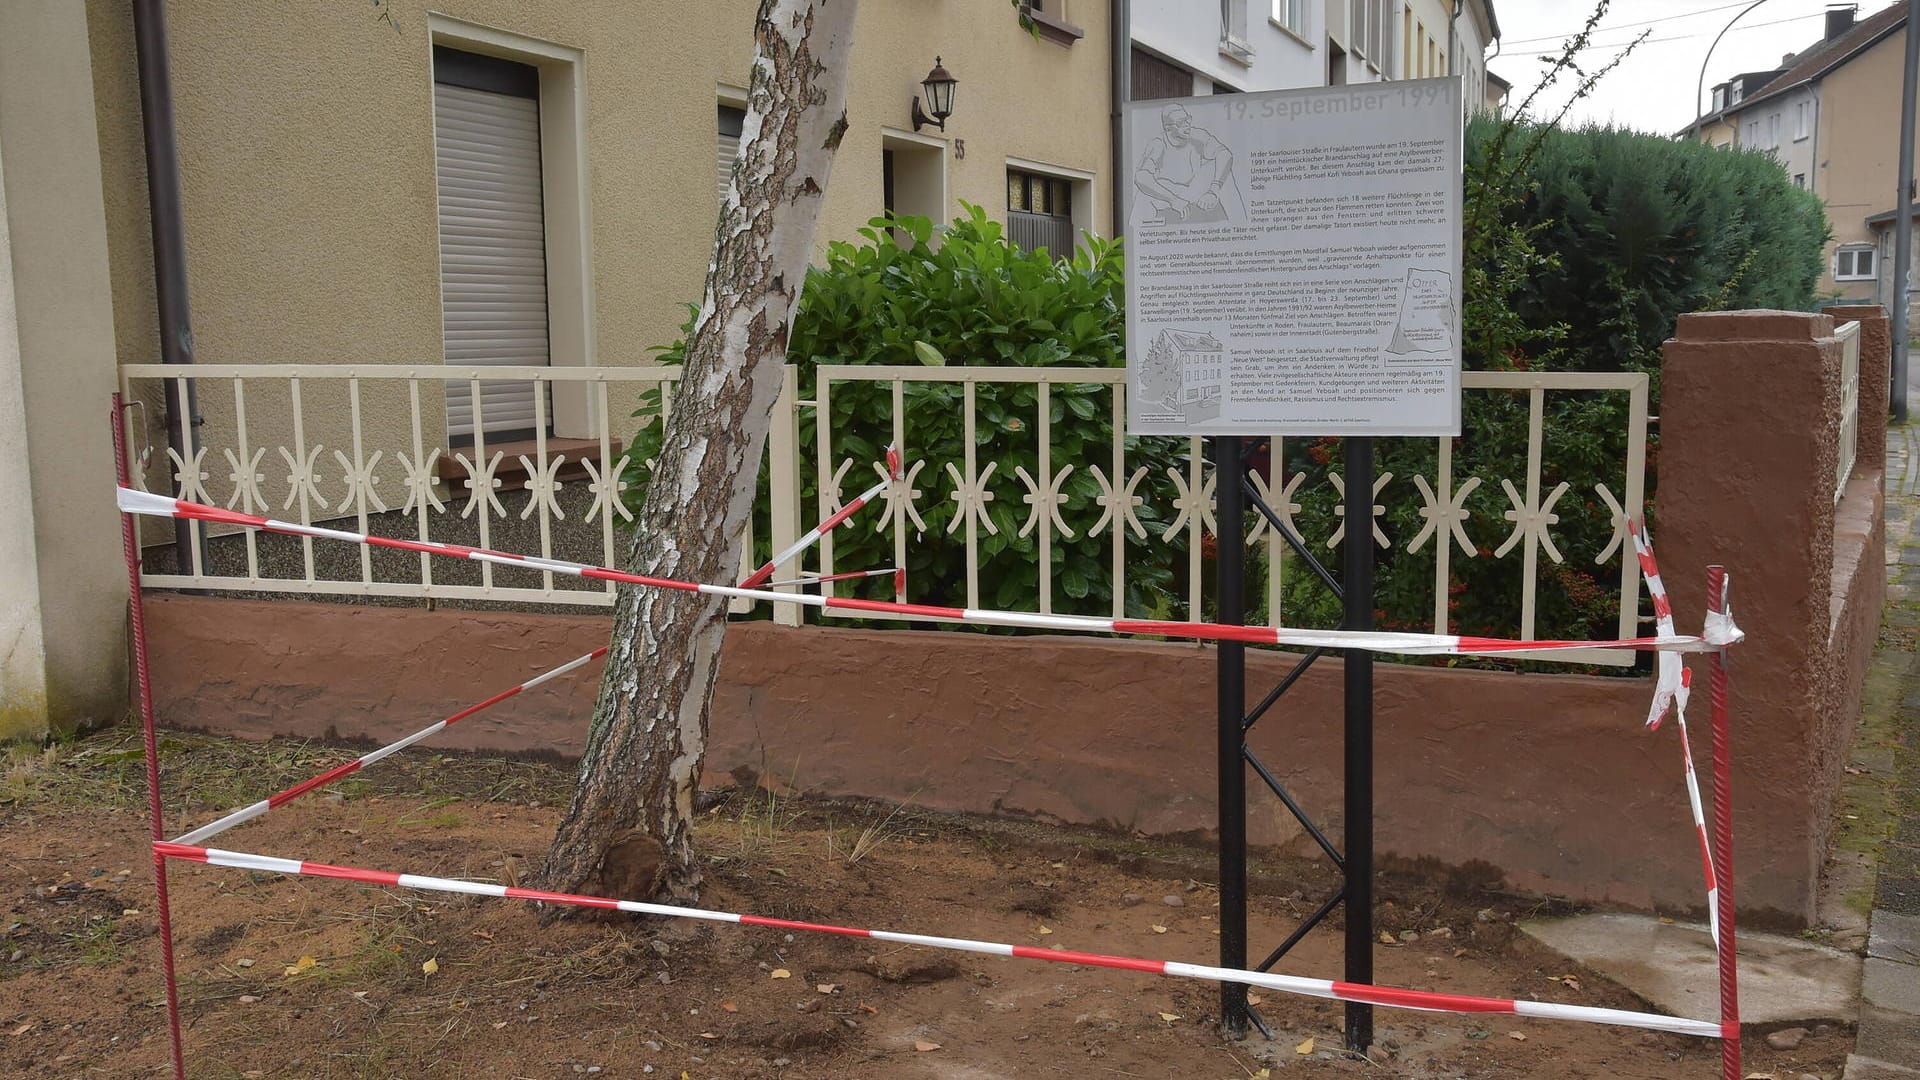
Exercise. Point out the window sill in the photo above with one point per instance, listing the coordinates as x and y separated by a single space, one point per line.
1847 279
574 450
1238 52
1058 31
1289 31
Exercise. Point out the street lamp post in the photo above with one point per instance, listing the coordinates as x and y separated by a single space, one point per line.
1699 85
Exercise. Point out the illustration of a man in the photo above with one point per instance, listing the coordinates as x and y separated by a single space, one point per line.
1186 174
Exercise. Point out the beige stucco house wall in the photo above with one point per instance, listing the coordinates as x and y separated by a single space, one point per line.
62 581
1859 150
307 152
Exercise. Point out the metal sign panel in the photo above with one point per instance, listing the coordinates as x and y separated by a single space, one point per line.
1293 262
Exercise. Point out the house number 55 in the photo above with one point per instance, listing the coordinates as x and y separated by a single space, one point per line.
960 149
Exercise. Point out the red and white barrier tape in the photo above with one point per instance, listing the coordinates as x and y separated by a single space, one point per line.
1413 644
1421 1000
248 813
833 521
1672 686
816 579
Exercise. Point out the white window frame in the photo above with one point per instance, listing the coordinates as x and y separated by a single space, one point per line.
1773 129
1800 127
1082 184
566 199
1291 16
1235 43
1856 250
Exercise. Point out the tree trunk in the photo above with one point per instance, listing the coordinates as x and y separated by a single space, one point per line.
627 833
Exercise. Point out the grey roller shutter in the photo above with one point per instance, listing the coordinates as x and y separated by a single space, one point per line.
493 252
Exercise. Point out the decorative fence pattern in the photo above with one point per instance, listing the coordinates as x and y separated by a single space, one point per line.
1848 335
368 443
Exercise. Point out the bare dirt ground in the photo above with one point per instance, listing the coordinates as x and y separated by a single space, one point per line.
301 977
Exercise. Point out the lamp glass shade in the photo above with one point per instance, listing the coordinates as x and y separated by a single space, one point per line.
939 85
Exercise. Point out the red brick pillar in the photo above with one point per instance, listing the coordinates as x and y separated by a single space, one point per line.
1749 422
1876 374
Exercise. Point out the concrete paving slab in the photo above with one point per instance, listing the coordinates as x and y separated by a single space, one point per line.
1891 985
1895 937
1889 1036
1672 966
1866 1068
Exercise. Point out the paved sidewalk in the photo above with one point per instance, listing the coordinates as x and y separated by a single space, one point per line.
1888 1042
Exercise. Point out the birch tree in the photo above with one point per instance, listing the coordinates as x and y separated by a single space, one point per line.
628 831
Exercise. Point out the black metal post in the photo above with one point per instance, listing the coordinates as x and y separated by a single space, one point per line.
168 221
1357 589
1230 564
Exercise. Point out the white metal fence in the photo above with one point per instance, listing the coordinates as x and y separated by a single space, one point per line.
1848 336
367 443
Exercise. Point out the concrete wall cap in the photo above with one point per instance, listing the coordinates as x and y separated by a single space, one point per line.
1857 312
1758 325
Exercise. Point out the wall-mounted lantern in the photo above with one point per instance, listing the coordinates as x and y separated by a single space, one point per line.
939 85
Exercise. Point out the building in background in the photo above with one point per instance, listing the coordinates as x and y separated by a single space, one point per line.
1180 50
1830 115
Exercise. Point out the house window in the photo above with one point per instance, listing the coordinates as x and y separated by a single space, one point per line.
732 120
1773 130
1369 26
1800 180
1854 263
493 244
1233 31
1291 15
1040 212
1753 133
1800 112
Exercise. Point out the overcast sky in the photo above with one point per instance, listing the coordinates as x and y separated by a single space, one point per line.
1653 89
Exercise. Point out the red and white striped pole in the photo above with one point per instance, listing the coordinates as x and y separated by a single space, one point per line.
1720 615
1421 1000
130 543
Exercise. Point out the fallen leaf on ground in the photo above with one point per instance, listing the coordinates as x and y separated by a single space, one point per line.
243 963
782 973
1255 999
866 1008
1388 939
498 1024
1758 1076
1158 929
301 965
826 988
729 1006
708 1035
1169 1017
1571 982
483 935
432 965
923 1045
1043 930
1305 1046
1517 1036
22 1029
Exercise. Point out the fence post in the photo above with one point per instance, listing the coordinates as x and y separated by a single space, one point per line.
1876 375
1749 423
783 486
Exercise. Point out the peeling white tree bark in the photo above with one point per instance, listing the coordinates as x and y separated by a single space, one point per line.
627 832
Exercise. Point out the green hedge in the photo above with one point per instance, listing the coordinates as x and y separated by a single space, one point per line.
972 298
1582 248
